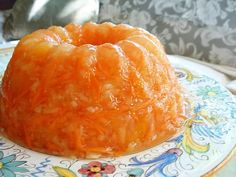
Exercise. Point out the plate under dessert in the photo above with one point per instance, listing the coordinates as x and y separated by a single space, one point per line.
207 139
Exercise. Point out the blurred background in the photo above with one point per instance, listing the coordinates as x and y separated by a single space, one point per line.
201 29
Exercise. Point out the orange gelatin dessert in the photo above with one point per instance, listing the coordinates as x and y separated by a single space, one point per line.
90 91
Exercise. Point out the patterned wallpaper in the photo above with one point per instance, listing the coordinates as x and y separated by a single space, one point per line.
203 29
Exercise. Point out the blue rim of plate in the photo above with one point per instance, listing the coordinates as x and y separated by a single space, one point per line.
207 139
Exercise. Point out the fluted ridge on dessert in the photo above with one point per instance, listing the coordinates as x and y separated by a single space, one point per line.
95 89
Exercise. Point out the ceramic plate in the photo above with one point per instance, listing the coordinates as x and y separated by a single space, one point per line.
208 137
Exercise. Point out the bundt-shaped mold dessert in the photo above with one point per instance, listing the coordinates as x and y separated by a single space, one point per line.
90 91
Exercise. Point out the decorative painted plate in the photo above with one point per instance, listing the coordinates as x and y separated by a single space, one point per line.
208 136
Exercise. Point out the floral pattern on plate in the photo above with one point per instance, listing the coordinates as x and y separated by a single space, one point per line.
207 138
